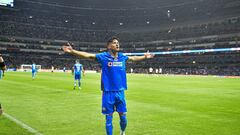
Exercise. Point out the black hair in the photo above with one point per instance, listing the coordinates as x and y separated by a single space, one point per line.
110 40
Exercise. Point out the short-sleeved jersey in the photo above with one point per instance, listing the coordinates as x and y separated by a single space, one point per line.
77 69
34 67
113 76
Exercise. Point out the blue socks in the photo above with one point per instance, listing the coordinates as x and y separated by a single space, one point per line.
109 126
123 122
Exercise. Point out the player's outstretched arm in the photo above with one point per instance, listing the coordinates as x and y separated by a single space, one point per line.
147 55
68 49
2 65
1 59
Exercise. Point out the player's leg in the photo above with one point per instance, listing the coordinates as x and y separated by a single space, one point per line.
74 84
123 122
109 125
79 82
1 110
107 110
75 81
1 74
122 109
33 75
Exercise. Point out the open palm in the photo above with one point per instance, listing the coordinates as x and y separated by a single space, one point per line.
67 48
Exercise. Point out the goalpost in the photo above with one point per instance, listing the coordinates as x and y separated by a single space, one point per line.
28 67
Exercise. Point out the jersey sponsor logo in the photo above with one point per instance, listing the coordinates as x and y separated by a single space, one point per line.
115 64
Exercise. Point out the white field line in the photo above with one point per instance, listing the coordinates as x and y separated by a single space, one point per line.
23 125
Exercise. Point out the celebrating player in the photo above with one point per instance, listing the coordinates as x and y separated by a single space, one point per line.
2 67
78 69
113 80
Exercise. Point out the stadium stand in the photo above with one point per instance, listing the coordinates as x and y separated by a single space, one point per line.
35 31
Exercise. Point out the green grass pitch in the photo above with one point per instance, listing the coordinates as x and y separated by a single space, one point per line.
157 105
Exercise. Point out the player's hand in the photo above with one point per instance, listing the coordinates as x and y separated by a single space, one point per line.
148 55
67 48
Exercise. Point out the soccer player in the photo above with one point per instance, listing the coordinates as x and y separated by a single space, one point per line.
1 110
34 70
2 67
78 69
150 70
113 80
64 69
52 69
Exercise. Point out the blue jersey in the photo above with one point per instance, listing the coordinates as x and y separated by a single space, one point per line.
77 69
34 67
113 71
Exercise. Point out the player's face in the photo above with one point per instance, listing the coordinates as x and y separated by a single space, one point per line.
114 45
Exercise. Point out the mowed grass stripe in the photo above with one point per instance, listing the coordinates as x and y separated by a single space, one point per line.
157 105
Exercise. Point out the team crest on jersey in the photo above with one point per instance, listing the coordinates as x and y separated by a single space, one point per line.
110 64
115 64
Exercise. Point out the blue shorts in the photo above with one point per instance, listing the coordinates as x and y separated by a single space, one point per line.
34 71
77 76
113 101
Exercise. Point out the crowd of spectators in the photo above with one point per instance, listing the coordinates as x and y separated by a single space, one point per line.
46 21
30 35
218 63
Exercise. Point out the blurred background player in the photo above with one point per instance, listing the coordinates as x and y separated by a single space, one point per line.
72 70
64 69
1 110
34 70
2 67
113 80
150 70
78 69
131 70
52 69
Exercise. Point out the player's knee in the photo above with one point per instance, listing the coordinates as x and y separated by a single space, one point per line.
123 117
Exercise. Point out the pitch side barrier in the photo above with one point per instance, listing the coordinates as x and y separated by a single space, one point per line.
67 71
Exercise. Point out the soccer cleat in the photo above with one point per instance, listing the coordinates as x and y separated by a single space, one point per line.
122 132
79 88
74 87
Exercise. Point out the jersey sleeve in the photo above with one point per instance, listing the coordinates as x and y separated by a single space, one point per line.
99 57
125 57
